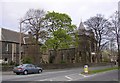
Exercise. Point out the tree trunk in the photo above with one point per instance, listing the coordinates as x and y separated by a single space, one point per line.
118 44
119 58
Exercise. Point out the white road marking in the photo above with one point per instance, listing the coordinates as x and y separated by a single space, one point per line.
83 75
43 80
87 75
91 75
69 78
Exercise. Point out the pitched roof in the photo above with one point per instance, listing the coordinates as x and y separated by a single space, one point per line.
9 35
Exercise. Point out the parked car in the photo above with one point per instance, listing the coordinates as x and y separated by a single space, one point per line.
26 69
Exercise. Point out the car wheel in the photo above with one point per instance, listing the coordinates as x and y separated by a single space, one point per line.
39 71
18 73
25 72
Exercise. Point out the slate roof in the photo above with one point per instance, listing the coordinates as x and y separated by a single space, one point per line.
9 35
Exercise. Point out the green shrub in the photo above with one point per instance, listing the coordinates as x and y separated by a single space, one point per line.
27 60
4 64
16 64
106 60
62 62
12 63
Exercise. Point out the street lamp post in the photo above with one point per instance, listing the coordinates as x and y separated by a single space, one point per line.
20 43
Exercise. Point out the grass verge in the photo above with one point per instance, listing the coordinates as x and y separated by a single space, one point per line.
101 70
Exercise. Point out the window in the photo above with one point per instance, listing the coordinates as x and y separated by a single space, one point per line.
7 47
32 66
28 66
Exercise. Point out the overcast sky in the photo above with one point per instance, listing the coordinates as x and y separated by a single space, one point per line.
12 10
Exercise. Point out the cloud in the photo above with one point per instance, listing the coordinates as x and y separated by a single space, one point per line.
13 10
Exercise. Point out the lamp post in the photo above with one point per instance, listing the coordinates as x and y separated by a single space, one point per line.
20 38
20 43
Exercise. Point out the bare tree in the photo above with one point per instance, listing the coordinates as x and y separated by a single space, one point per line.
99 25
115 30
34 22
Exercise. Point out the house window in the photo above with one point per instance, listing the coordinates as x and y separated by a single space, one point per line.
7 47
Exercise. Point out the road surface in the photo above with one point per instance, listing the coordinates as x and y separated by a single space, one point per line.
73 74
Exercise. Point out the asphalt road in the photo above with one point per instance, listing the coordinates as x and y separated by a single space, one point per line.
73 74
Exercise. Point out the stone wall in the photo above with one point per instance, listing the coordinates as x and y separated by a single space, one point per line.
63 55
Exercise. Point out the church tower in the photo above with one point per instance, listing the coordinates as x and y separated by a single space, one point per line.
81 29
